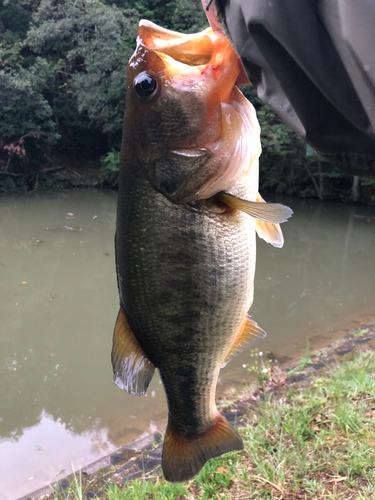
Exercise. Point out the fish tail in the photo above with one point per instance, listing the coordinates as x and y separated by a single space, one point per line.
184 457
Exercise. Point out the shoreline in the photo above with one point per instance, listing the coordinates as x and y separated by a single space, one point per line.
142 457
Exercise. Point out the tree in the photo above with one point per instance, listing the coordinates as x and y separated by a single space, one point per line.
88 45
158 11
26 126
15 16
188 17
178 15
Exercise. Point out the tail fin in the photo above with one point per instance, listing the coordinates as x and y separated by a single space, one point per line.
183 458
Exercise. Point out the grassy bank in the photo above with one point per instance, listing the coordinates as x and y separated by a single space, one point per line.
307 434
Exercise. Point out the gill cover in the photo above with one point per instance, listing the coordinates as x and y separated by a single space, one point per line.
193 133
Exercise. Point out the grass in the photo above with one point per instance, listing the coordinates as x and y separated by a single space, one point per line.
75 490
312 442
141 489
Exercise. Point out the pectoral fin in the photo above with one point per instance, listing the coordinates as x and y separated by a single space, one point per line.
272 213
132 370
267 215
249 335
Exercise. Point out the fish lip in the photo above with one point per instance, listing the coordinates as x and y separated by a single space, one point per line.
159 30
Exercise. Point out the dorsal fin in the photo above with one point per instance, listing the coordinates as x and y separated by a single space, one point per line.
132 370
249 334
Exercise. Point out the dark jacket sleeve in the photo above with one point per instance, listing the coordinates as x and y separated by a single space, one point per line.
313 63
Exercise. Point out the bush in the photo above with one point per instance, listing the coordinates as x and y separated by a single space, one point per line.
27 131
108 175
87 44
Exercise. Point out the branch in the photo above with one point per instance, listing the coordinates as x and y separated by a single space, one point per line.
18 147
317 189
41 171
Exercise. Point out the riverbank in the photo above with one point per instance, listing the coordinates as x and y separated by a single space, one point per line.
308 429
70 171
63 172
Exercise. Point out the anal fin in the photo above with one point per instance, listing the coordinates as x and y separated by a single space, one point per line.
250 334
132 370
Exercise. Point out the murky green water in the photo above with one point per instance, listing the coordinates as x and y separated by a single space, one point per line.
58 305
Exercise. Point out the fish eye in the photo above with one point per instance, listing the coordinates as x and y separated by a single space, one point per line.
145 85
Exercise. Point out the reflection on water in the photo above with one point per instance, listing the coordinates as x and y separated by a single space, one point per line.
58 304
43 460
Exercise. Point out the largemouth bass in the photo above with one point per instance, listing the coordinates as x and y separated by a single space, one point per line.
188 210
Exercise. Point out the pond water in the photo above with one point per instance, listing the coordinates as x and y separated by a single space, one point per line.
59 407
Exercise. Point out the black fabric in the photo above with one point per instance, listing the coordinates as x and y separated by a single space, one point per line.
313 63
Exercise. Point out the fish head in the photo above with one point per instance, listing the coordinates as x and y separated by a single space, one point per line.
181 126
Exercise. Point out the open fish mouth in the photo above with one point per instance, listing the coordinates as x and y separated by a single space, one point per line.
190 58
180 47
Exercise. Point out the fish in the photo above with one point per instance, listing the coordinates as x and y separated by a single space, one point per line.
188 211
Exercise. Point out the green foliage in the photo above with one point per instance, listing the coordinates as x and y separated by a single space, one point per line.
145 490
15 16
88 45
260 367
12 185
63 89
23 108
109 169
158 11
26 126
189 17
186 16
